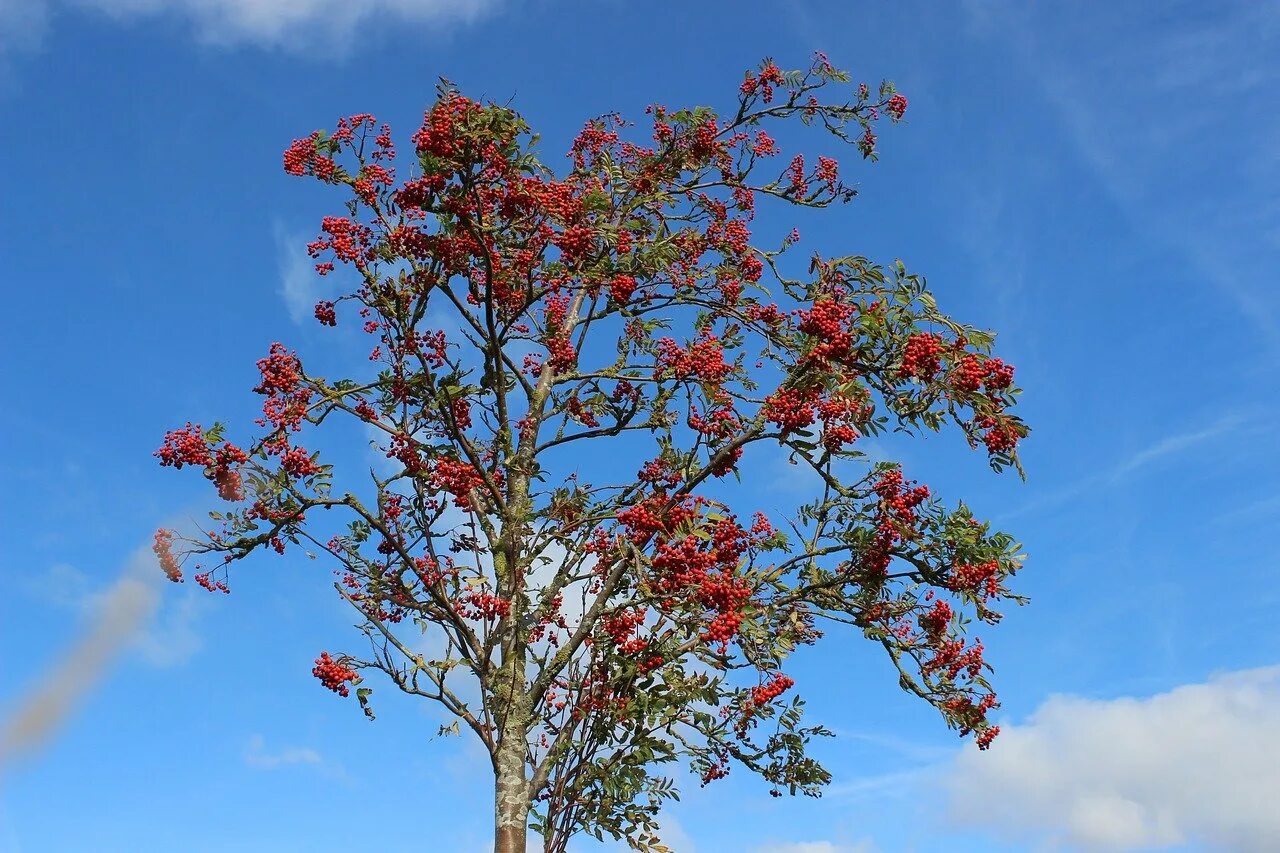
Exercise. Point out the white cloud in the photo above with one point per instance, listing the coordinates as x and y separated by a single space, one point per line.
298 277
288 24
817 847
1199 764
256 755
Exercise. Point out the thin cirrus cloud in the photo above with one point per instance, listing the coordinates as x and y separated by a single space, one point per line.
257 755
818 847
1164 166
1197 765
1231 424
287 24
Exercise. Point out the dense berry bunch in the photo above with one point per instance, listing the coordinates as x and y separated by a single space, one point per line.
772 689
982 578
333 674
458 479
484 605
790 409
921 356
827 322
185 446
968 374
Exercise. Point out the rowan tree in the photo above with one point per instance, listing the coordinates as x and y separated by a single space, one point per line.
557 550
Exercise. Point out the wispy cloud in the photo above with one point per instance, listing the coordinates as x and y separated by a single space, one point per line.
1124 469
817 847
1194 765
297 272
1166 121
292 25
892 784
23 24
256 755
1175 444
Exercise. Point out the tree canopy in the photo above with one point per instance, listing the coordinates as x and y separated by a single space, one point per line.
569 375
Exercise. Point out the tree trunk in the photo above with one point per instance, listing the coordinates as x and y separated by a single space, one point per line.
511 800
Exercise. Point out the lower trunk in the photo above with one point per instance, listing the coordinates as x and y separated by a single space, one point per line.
511 803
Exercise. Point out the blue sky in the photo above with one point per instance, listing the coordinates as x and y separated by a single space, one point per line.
1101 187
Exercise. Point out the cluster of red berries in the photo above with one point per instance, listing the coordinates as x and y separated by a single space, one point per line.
350 242
185 446
460 412
896 107
982 578
1000 435
721 463
404 449
437 135
770 76
620 628
371 179
900 500
732 237
281 371
790 409
575 243
934 622
458 478
580 413
767 692
208 583
326 314
921 356
298 463
590 141
894 517
721 422
841 417
333 674
652 515
827 321
621 287
953 656
563 356
225 477
483 605
967 376
703 360
163 548
301 156
763 145
828 170
718 770
658 472
999 375
769 314
795 172
418 193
